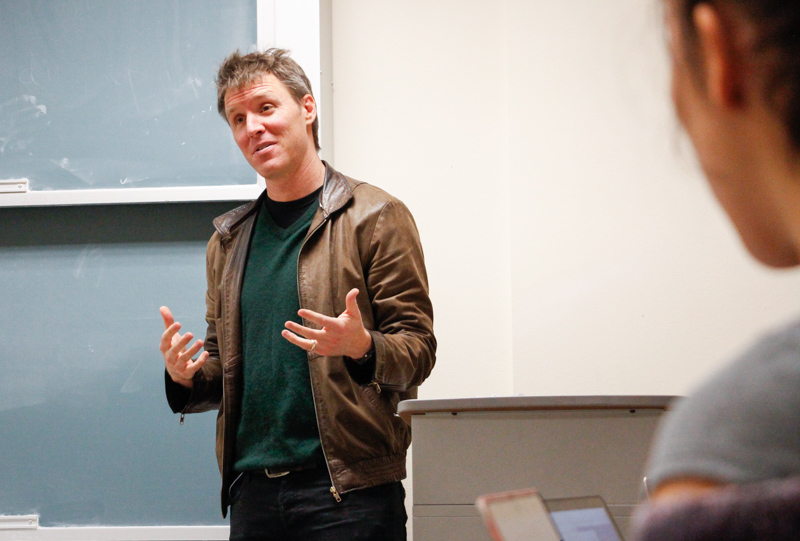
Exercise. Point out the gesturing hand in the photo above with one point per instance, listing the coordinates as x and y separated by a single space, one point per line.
177 358
344 335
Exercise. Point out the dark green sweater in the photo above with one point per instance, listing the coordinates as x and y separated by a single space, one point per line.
278 427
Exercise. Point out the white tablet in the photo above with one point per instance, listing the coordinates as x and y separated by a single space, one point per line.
519 515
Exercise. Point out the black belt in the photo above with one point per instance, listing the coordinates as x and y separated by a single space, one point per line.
280 471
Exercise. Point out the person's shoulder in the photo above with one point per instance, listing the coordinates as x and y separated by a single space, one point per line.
342 191
225 223
783 338
225 226
362 201
740 424
370 200
768 371
771 362
370 193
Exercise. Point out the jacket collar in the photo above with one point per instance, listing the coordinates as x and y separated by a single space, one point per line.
336 192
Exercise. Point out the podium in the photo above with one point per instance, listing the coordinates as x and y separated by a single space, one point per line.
564 446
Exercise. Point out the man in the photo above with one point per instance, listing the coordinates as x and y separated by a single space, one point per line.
319 323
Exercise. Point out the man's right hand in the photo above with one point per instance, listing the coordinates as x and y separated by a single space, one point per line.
178 360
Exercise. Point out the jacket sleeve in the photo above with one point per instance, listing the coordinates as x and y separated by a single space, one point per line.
206 391
405 346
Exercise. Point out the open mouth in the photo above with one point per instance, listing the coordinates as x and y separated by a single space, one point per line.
262 147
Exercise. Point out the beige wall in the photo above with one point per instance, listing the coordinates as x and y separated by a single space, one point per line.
572 245
418 112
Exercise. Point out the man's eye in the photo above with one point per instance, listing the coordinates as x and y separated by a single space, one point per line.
266 108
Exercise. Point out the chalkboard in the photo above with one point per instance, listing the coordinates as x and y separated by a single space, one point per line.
86 435
104 101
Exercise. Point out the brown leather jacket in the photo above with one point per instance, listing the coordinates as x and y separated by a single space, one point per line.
360 237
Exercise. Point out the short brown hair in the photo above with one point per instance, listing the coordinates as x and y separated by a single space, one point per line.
240 70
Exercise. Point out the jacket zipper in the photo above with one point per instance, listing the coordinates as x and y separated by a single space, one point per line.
227 451
334 492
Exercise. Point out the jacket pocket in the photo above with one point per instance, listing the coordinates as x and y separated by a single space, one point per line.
362 374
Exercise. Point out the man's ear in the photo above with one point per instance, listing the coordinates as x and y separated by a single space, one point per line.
309 107
722 69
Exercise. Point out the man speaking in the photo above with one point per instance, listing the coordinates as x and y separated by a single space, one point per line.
319 323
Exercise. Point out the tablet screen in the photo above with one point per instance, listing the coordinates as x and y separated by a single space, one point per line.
583 519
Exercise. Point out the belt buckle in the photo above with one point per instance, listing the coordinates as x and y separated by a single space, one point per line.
274 475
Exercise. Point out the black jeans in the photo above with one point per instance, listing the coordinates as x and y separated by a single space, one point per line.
300 506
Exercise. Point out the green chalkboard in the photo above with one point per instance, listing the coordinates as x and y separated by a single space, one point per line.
86 435
115 97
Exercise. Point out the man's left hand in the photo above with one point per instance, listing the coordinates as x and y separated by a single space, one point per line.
340 336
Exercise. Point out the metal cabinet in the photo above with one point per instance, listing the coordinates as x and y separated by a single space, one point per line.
563 446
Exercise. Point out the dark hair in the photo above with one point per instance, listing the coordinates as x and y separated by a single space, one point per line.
777 45
240 70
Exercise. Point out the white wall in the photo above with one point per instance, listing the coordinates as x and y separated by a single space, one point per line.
628 278
572 245
418 112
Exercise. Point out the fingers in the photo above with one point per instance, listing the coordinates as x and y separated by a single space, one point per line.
177 358
350 305
169 336
178 352
305 343
195 365
351 302
305 332
343 335
166 315
170 329
179 361
315 317
192 351
172 342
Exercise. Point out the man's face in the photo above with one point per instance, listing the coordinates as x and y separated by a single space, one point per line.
272 130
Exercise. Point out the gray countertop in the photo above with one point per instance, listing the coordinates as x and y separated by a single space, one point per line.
408 408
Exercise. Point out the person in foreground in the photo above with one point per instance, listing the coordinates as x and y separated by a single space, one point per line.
736 89
319 323
762 511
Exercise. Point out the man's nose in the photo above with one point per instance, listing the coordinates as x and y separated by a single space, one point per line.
254 125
